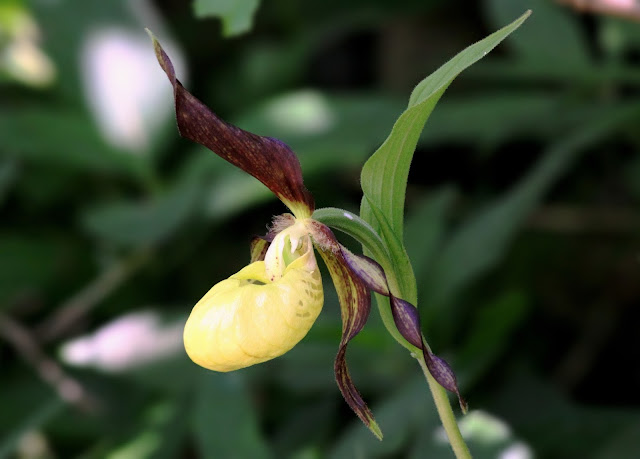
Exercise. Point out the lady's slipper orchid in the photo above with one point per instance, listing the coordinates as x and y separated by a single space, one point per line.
266 308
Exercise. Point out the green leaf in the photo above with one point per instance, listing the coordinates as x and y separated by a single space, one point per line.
27 263
490 333
143 223
236 15
402 281
324 129
46 412
65 137
405 413
527 403
160 434
8 176
426 227
224 421
624 444
233 192
487 119
384 175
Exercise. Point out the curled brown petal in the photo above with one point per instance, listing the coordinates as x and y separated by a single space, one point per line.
267 159
405 317
355 305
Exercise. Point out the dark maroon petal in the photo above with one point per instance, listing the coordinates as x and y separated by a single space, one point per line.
407 320
442 372
405 315
267 159
355 305
368 270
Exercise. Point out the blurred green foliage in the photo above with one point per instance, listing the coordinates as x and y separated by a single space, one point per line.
521 226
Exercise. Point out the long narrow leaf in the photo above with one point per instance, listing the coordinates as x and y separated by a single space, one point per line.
384 176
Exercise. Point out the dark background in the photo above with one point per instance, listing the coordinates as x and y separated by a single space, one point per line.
522 227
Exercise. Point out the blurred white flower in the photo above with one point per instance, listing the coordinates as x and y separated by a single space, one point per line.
516 451
128 94
131 340
482 428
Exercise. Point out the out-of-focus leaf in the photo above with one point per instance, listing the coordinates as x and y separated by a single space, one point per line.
324 129
489 335
425 228
618 34
490 118
233 192
532 71
623 445
8 175
295 432
32 421
632 176
481 241
236 15
384 175
26 263
308 366
566 45
531 407
140 224
223 419
403 414
160 436
61 137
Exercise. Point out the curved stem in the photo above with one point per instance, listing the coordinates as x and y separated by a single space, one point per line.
445 412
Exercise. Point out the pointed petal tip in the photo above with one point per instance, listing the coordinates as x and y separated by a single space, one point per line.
355 305
375 430
269 160
156 44
464 406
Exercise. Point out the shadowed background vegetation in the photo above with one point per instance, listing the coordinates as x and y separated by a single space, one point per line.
522 226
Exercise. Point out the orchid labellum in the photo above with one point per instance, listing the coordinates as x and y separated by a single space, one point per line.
266 308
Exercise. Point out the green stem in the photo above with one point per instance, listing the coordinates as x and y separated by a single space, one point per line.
445 412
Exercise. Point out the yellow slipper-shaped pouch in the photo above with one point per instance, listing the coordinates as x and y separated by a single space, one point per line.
248 318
